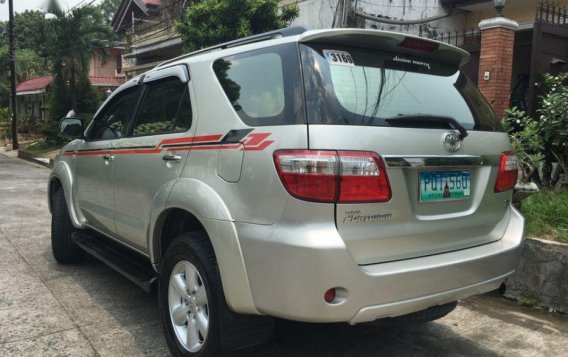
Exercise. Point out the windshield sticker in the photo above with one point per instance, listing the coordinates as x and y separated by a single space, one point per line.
411 61
342 58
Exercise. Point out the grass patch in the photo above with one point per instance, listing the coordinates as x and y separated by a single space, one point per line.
41 147
528 301
546 215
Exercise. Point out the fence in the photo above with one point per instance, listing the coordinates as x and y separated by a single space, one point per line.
552 13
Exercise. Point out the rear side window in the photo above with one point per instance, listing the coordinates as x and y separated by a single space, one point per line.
369 87
164 108
263 86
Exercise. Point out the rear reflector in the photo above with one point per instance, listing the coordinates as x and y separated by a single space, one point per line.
329 295
419 45
330 176
508 170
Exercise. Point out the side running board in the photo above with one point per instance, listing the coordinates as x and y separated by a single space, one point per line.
128 263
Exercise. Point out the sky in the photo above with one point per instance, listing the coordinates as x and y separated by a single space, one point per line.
22 5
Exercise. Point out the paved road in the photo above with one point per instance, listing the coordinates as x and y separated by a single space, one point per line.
89 310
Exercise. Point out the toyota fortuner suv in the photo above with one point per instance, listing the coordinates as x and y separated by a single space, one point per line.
341 175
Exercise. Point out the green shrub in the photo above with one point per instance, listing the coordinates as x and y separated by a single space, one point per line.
553 119
530 136
526 141
5 120
51 132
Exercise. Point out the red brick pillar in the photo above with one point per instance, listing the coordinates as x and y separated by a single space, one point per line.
496 61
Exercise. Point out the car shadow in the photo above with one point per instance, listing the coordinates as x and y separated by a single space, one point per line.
303 339
120 299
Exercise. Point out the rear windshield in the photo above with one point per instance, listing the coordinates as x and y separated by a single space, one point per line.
354 86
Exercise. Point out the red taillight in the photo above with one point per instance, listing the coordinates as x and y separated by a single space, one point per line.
508 170
330 176
308 175
363 178
419 45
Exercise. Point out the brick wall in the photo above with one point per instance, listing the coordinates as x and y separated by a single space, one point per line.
497 58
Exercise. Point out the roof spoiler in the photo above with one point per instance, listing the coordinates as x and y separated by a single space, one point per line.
390 42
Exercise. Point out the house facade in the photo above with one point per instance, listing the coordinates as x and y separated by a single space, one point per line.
31 97
149 26
105 74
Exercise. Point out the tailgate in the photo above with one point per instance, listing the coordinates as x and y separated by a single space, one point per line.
408 226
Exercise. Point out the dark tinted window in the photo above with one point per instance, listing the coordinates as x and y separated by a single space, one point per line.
113 120
160 111
263 86
355 86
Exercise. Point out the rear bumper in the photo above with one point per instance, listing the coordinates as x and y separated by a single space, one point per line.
291 266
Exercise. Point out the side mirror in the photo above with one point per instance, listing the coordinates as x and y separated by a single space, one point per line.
71 128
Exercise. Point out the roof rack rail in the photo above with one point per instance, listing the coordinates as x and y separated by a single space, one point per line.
284 32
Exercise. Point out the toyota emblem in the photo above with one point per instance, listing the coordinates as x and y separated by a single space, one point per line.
452 142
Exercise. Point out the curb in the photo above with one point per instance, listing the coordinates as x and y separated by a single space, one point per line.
541 276
31 158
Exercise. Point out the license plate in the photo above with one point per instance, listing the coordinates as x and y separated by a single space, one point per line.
444 185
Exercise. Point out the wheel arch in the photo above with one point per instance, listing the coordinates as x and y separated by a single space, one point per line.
195 206
61 177
171 222
53 185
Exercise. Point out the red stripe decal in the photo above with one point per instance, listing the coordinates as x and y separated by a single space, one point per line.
206 147
192 139
253 142
255 138
86 153
262 146
127 151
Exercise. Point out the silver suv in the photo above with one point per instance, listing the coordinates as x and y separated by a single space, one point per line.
322 176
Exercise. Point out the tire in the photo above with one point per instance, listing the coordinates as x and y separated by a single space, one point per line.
190 307
63 248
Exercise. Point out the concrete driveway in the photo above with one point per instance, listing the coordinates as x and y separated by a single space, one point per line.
48 309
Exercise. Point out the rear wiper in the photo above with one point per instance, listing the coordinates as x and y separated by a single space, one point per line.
427 121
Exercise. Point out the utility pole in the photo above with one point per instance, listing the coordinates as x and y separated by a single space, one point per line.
12 61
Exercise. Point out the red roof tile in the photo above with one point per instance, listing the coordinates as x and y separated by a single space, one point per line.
34 84
106 81
42 83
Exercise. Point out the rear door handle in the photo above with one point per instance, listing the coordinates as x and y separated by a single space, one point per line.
108 157
172 158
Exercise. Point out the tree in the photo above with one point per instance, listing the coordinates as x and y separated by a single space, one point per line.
72 39
212 22
29 29
29 34
108 9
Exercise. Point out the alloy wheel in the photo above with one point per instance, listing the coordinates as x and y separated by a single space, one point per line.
188 306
